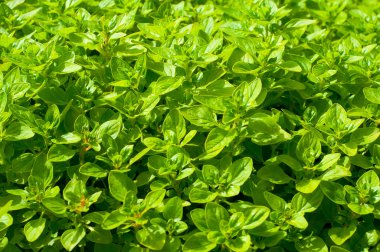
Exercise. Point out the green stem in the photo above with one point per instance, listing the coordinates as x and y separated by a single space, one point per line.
81 155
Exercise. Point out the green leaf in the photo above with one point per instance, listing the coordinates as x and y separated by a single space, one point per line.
6 220
71 237
299 22
275 202
99 235
290 66
372 94
92 170
210 174
54 95
311 243
42 172
241 243
166 84
240 171
71 3
246 93
53 116
74 190
307 185
361 209
173 209
308 148
334 191
364 136
68 138
200 116
60 153
335 173
289 84
198 217
214 214
368 181
25 116
335 117
198 242
298 220
340 235
152 237
201 195
216 140
17 131
327 161
56 205
65 67
154 198
120 184
255 216
111 128
306 203
174 126
265 131
34 228
338 249
274 174
114 219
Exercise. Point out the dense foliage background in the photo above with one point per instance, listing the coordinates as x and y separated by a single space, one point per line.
245 125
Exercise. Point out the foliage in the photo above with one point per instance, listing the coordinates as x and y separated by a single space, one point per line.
245 125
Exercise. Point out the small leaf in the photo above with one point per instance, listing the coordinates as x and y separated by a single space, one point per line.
372 94
311 244
56 205
265 131
99 235
154 198
340 235
17 131
54 95
60 153
299 22
119 184
240 171
368 181
166 84
201 195
255 216
92 170
152 237
307 185
199 116
173 209
198 242
327 161
6 220
275 202
71 237
114 219
111 128
198 217
307 203
364 136
34 228
216 140
291 66
274 174
214 214
334 191
246 94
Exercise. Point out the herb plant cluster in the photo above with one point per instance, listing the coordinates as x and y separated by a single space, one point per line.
245 125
